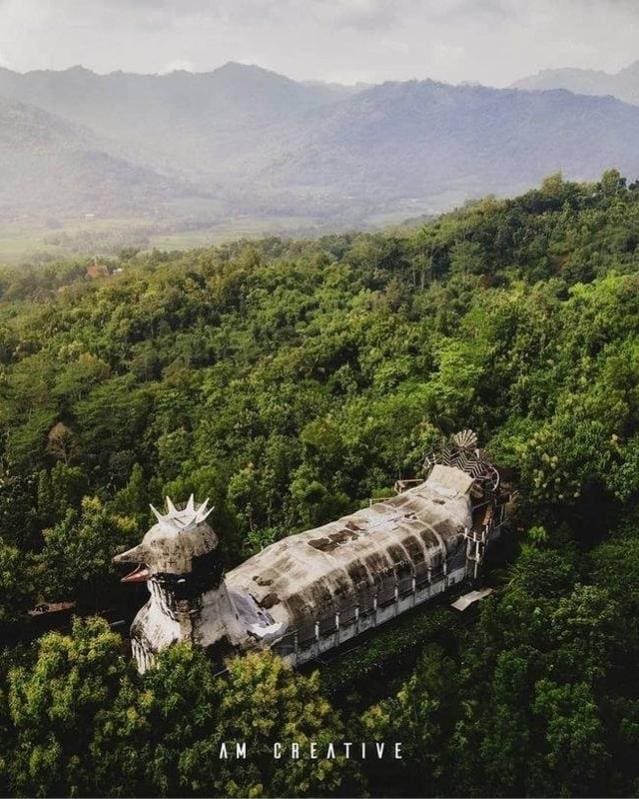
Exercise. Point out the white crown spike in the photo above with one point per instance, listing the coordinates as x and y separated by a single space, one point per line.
203 512
177 521
171 507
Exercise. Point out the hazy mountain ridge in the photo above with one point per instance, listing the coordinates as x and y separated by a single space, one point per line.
624 85
59 167
420 136
179 117
260 144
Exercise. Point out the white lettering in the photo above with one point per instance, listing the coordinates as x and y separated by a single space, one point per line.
277 750
398 751
313 750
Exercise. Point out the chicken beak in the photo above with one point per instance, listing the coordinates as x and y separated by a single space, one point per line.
139 575
138 555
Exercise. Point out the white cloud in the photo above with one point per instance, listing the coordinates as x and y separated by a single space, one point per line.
492 41
358 14
179 64
447 54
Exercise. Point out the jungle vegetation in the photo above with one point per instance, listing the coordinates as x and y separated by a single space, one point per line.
290 381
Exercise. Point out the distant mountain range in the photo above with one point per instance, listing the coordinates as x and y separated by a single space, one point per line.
624 85
245 141
50 165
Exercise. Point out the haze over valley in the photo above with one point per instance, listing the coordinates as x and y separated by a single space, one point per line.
95 162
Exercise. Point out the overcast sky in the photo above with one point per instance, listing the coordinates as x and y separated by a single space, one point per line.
490 41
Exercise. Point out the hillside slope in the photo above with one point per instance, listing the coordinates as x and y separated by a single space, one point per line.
197 123
623 84
290 381
267 146
418 139
50 165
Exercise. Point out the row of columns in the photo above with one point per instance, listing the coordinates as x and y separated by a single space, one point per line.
374 609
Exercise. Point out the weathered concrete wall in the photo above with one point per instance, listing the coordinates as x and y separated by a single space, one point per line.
297 653
317 572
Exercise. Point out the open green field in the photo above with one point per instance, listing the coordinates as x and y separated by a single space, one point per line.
18 244
35 242
233 229
41 242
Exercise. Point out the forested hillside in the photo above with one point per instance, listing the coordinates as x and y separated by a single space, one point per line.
290 381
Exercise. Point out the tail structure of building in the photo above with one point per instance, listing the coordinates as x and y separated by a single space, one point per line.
313 591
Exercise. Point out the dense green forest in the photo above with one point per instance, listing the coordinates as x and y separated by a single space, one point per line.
290 381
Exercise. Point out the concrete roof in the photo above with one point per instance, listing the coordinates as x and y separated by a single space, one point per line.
309 573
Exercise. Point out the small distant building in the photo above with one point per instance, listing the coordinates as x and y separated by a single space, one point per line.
96 270
311 592
49 608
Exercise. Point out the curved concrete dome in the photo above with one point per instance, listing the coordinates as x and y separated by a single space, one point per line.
320 570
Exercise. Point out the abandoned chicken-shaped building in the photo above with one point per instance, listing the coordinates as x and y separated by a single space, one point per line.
312 591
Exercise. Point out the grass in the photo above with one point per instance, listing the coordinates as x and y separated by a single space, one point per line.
39 242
